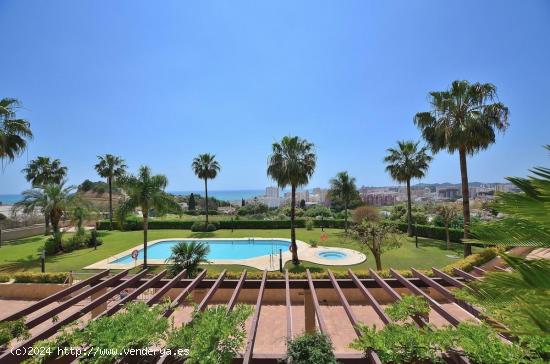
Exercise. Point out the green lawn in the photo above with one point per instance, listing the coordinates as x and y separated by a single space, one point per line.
23 255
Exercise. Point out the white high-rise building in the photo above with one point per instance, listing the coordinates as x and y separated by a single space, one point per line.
272 192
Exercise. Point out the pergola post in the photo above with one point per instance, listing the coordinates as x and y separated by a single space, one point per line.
309 310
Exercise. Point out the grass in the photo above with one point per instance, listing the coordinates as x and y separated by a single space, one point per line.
23 255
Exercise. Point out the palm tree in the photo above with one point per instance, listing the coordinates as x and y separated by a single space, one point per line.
447 212
110 167
14 132
292 162
404 163
206 167
344 187
188 255
42 171
147 192
54 199
464 118
519 299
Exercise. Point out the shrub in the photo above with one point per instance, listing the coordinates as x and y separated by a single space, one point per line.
311 348
4 278
134 224
408 306
199 226
313 243
10 330
432 232
94 239
213 336
28 277
77 241
468 263
309 225
53 244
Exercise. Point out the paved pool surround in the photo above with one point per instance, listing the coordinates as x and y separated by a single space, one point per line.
305 252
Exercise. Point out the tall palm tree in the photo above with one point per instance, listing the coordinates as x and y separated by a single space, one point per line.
110 167
147 192
206 167
344 187
14 132
464 118
42 171
404 163
54 199
292 163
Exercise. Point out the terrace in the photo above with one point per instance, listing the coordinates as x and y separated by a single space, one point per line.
283 308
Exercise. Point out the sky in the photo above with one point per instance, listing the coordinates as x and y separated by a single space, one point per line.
160 82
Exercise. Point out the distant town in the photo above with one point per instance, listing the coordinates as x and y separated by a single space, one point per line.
385 195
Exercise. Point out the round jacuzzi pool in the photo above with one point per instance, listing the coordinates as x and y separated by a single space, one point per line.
332 255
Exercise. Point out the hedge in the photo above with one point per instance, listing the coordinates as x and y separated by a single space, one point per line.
133 224
27 277
433 232
467 264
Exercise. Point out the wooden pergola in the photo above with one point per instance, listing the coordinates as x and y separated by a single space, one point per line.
102 287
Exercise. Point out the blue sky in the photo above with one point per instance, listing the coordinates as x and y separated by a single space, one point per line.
159 82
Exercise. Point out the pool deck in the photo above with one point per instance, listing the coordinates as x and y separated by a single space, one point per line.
268 262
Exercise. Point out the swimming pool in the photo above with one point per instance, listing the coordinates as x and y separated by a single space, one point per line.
219 249
332 255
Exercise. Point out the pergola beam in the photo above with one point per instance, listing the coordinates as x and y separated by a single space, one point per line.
204 303
316 305
237 291
254 325
55 297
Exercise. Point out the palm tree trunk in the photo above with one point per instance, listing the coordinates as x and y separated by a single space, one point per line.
145 229
346 216
206 200
447 234
409 209
295 260
47 224
110 181
465 200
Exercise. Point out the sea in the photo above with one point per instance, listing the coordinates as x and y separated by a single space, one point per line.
224 195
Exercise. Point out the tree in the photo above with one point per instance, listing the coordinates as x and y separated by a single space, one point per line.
147 192
243 202
447 212
464 118
303 204
192 204
343 186
519 299
206 167
79 213
378 238
110 167
188 255
404 163
54 199
14 132
42 171
365 212
292 162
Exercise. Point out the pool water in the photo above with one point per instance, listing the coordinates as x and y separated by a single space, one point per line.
332 255
219 249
